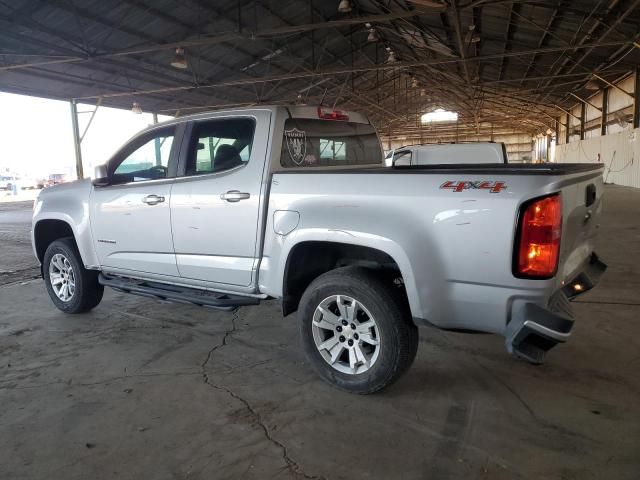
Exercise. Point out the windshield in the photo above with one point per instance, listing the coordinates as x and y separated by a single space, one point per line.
323 143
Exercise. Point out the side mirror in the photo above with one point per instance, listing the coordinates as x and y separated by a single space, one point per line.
101 177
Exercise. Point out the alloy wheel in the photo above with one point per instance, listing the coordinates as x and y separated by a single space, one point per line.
62 278
346 334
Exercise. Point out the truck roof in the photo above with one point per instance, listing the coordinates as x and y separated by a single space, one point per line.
295 111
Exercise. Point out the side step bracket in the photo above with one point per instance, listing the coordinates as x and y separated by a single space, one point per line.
177 294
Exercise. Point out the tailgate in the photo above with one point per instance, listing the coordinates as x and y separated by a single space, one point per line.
581 209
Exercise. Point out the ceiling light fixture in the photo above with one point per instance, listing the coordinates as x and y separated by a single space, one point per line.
136 108
471 35
392 56
373 36
414 82
345 6
179 59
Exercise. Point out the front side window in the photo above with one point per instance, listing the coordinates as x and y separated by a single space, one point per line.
402 159
219 145
321 143
146 159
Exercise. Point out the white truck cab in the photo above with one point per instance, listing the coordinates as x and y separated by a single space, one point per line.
448 154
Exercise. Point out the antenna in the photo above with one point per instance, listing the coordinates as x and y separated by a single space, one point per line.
323 95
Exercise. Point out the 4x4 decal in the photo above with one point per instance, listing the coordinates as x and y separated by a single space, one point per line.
459 186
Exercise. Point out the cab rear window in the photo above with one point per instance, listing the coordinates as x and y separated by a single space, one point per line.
325 143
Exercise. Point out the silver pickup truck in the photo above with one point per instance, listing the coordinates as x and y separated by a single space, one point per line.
229 208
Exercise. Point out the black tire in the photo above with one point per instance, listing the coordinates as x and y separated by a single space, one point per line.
398 334
88 292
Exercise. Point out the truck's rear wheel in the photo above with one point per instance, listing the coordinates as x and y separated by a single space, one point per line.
355 332
72 288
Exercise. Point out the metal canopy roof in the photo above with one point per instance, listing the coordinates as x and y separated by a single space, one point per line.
504 64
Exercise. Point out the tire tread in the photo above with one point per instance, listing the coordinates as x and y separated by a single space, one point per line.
88 289
405 331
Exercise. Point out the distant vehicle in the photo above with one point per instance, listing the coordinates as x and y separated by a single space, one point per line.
447 154
56 178
8 181
30 183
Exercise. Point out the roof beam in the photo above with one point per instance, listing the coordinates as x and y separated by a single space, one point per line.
460 40
588 35
245 35
508 37
345 70
547 30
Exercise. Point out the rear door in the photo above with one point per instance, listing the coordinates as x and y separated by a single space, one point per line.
130 217
215 203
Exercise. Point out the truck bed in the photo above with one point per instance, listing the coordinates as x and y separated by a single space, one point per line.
502 169
455 246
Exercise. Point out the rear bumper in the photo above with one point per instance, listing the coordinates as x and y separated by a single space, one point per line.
534 329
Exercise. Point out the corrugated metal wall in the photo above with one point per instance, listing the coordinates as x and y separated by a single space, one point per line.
620 153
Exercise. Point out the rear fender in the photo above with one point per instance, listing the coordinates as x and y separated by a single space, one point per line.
273 269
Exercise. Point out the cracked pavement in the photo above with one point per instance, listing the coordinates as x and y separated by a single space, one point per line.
142 389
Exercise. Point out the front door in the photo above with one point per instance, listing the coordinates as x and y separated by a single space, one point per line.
215 205
130 217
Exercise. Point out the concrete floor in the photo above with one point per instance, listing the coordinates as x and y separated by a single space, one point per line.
139 389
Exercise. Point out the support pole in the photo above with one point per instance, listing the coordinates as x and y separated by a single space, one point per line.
157 142
567 133
583 113
76 139
636 100
605 111
547 140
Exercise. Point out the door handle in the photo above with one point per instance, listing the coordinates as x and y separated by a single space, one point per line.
153 199
234 196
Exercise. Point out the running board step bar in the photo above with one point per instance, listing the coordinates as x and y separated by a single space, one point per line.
172 293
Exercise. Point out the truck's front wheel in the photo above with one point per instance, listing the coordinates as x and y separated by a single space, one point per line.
72 288
356 333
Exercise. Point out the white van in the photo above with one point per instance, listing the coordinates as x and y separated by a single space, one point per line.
447 153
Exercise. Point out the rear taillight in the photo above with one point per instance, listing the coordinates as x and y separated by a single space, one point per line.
538 238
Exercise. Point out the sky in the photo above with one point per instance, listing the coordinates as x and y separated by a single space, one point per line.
36 136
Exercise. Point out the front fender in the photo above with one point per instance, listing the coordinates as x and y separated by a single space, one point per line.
68 203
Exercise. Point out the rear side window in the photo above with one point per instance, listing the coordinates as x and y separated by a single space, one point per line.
219 145
324 143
